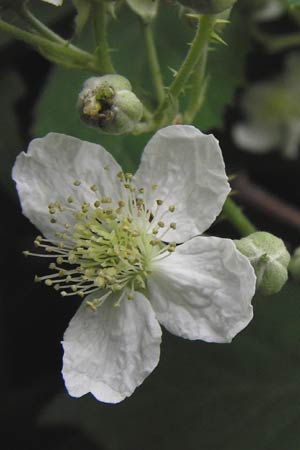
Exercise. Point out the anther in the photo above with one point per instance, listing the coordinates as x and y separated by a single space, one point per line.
97 203
173 225
93 188
159 202
48 282
76 183
161 224
106 200
70 199
171 208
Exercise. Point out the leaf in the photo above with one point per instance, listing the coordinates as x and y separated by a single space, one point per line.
239 396
146 9
294 2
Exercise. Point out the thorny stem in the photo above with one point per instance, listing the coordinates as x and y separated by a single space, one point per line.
102 52
153 62
41 28
197 47
79 58
237 218
197 92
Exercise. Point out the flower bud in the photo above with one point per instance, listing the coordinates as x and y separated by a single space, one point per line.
108 103
269 258
208 6
294 265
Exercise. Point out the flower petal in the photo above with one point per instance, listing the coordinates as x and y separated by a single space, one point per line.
46 174
54 2
203 290
188 169
111 351
255 137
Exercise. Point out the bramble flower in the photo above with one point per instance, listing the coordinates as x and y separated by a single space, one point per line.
272 113
131 246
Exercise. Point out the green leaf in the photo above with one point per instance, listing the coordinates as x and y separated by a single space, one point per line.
239 396
146 9
294 2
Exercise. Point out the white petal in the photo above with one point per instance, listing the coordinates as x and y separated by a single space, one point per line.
188 168
203 290
111 351
256 138
47 171
54 2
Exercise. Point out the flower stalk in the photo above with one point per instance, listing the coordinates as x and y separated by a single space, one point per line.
102 52
237 218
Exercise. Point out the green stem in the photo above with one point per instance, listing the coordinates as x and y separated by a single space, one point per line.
237 218
197 92
198 45
153 62
102 52
79 58
40 27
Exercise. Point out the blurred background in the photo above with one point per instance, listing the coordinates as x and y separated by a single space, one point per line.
242 396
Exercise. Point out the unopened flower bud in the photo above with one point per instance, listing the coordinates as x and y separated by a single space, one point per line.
269 258
108 103
294 265
208 6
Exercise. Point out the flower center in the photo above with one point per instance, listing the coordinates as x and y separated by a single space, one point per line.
109 248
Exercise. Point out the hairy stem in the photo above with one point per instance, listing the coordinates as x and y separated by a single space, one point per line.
194 54
102 52
153 62
76 57
237 218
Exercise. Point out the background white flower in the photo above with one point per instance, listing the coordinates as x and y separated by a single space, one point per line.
272 113
202 289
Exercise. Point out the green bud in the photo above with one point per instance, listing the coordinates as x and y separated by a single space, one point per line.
269 258
108 104
294 265
208 6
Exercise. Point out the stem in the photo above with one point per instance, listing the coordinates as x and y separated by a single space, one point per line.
278 43
102 52
237 218
197 93
40 27
78 57
198 45
153 62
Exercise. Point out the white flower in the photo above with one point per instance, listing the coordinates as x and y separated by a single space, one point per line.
272 112
54 2
112 236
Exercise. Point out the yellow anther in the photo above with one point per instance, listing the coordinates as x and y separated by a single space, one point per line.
97 204
161 224
93 304
106 200
141 190
155 231
159 202
26 253
39 238
52 220
77 183
37 243
61 273
74 288
120 175
93 188
70 199
52 266
154 241
48 249
121 204
100 282
51 211
173 225
51 205
81 294
130 296
59 260
61 245
48 282
37 279
171 208
63 293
